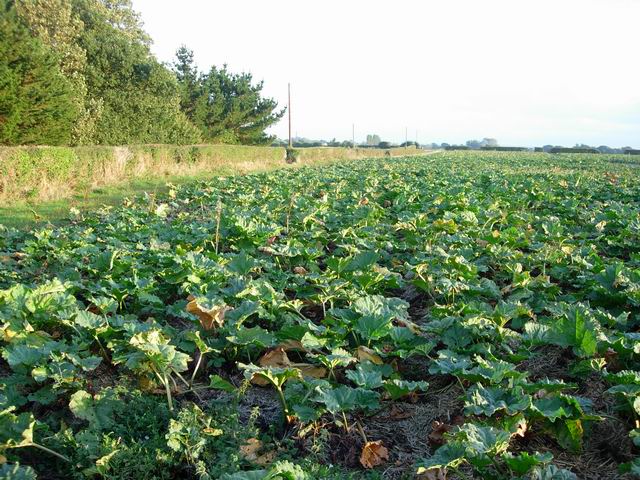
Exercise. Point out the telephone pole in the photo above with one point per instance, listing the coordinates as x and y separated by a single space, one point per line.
353 135
289 110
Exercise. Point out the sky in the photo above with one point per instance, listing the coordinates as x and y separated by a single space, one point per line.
526 72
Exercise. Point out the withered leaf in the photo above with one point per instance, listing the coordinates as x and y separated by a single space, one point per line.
366 354
433 474
438 429
310 370
249 451
209 318
277 358
373 454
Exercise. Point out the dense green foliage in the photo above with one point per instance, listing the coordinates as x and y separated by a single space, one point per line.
573 150
503 285
36 99
226 107
81 72
138 95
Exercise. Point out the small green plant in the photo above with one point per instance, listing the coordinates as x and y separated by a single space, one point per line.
17 431
149 352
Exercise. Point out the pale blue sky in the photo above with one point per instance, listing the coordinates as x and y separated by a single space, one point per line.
525 72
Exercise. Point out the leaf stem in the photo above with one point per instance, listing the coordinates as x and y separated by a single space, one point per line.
165 381
45 449
195 370
364 436
218 218
188 385
346 423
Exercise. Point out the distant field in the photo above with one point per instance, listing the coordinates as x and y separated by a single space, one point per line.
464 315
41 184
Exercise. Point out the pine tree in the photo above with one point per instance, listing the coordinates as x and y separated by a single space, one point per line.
226 107
36 100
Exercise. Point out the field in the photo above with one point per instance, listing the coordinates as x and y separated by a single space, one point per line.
460 315
39 185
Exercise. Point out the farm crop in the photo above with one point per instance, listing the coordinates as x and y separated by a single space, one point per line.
462 315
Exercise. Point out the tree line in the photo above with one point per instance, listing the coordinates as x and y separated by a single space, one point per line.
81 72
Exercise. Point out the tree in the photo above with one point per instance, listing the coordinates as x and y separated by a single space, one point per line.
193 101
489 142
59 28
37 104
140 97
226 107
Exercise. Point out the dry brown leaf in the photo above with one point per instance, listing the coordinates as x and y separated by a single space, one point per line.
364 201
411 397
611 357
373 454
309 370
278 358
410 325
209 318
93 309
249 451
457 421
522 429
398 413
366 354
438 429
433 474
300 270
266 458
291 345
275 358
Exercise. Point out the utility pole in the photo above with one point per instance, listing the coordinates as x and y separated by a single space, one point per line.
406 137
353 135
289 110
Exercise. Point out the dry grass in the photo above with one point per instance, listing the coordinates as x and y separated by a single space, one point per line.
40 174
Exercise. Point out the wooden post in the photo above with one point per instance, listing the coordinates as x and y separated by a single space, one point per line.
289 109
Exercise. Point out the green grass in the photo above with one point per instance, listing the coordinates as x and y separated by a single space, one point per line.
25 215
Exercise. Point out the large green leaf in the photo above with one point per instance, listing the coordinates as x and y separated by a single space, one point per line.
487 401
97 410
400 388
576 329
365 378
452 454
